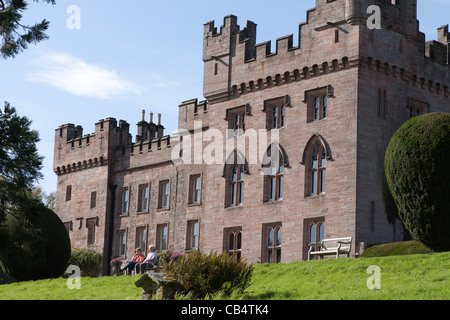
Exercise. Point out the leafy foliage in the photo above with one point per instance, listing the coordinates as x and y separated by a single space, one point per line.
201 275
87 260
34 243
10 21
418 174
49 200
168 256
20 163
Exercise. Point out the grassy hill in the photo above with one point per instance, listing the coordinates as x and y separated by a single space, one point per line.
417 277
422 276
396 249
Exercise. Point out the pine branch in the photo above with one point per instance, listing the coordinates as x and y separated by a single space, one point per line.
12 41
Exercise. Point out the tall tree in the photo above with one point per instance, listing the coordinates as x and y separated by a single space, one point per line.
14 41
20 163
49 200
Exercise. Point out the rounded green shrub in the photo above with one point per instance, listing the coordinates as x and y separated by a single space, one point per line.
38 245
204 275
417 166
89 262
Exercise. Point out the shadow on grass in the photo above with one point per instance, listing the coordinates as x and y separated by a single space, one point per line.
271 295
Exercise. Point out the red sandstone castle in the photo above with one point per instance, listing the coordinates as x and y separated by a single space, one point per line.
334 97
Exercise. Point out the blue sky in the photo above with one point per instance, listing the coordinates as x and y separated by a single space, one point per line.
134 55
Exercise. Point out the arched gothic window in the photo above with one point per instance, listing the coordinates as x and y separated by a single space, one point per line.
273 167
274 245
315 233
315 159
235 243
234 175
318 170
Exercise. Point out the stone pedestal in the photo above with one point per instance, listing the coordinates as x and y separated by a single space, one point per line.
156 286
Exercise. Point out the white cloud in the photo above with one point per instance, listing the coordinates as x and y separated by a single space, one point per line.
167 83
76 76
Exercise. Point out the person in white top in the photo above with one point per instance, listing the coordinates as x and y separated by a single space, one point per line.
150 260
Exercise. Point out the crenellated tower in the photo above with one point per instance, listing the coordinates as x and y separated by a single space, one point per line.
335 35
75 151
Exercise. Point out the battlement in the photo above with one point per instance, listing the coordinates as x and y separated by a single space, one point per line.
110 143
443 54
191 111
75 151
335 32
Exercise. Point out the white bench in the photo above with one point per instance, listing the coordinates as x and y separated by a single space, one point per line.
330 247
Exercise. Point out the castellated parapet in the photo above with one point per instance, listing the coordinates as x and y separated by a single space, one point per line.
334 37
110 143
192 111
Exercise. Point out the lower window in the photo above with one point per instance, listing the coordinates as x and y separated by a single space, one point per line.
272 241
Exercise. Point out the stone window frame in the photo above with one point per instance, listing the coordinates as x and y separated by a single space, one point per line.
318 170
233 246
318 103
91 224
139 243
274 173
159 239
316 142
121 247
234 187
317 222
193 235
69 226
272 252
68 193
237 120
140 207
161 195
93 200
192 189
276 110
125 190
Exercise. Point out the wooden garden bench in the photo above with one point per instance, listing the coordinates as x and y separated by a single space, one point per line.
330 247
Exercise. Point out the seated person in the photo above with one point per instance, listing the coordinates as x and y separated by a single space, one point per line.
151 260
137 259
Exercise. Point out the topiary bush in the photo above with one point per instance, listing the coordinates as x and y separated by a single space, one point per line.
202 276
89 262
37 245
417 166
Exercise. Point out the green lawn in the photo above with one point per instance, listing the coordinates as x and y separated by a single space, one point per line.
410 277
105 288
418 277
